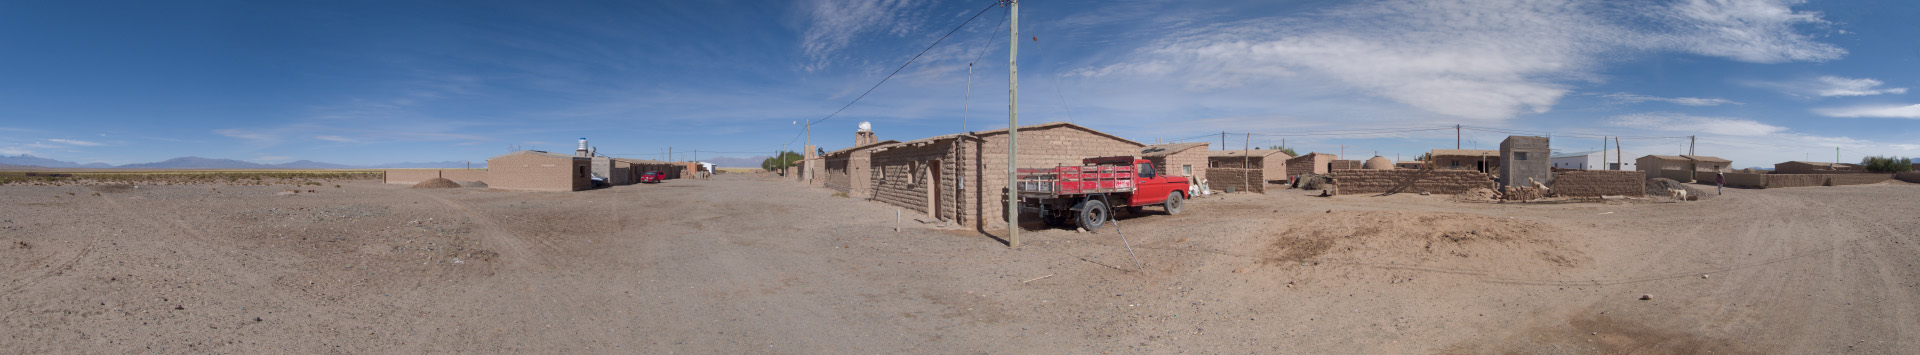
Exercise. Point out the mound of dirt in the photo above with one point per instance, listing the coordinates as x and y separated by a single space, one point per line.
1477 194
1658 187
436 183
1440 239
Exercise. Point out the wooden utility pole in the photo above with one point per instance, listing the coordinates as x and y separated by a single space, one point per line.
1619 154
1603 153
1456 137
1013 125
1690 141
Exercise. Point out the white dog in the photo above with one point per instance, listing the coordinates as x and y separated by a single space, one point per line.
1678 194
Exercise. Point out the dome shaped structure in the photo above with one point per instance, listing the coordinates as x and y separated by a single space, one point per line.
1378 163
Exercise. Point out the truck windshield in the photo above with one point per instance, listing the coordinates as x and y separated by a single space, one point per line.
1146 170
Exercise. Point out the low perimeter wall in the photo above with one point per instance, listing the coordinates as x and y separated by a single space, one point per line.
1747 180
1600 183
1775 181
1449 182
415 176
1857 179
1241 180
1913 177
1676 175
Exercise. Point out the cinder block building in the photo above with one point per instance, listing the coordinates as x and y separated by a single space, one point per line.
1593 160
1178 159
963 177
616 172
1527 159
1271 162
533 170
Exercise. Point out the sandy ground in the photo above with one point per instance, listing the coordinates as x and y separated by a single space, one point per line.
739 265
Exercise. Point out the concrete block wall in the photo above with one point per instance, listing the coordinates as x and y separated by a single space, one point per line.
1600 183
1536 167
1911 176
1446 182
1040 147
1239 180
415 176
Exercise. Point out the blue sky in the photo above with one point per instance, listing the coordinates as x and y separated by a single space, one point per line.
1758 82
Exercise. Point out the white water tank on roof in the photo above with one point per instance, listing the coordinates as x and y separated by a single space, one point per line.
866 127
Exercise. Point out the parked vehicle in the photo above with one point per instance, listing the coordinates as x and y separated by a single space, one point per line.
599 181
1088 194
651 177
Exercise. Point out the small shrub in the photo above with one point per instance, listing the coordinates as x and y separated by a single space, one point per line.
840 194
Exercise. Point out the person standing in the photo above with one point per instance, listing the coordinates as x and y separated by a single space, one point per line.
1719 182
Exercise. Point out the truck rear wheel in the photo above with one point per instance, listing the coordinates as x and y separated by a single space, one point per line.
1093 214
1173 202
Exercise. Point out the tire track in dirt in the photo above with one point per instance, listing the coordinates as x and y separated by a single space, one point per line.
512 248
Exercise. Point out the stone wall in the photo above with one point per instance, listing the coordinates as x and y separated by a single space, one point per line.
1239 180
1410 181
1600 183
415 176
903 176
1676 175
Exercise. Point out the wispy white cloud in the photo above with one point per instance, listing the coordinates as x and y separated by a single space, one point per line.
336 139
1838 86
1673 122
836 23
1884 111
76 142
247 135
1626 98
15 150
1487 60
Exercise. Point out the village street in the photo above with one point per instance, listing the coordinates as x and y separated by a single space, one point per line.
741 264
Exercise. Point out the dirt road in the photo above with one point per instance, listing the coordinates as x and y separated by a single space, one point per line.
737 265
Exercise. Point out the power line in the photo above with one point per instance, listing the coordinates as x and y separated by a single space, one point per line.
903 66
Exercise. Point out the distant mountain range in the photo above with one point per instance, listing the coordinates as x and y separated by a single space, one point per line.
208 163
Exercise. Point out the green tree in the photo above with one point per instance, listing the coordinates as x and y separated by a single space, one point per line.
781 161
1879 164
1285 149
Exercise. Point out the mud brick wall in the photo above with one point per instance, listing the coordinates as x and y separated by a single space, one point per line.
1170 165
1676 175
1747 180
838 178
1912 176
1240 180
1448 182
1040 147
1312 163
1600 183
1795 180
415 176
901 176
1856 179
534 172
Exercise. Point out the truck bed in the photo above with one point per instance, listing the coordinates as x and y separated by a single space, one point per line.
1076 180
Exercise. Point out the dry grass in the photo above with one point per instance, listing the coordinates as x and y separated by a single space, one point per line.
185 177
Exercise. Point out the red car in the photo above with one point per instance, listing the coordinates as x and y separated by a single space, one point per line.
651 177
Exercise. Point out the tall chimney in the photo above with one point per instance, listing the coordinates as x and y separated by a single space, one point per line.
865 135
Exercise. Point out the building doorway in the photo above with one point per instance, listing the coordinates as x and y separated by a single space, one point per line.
933 189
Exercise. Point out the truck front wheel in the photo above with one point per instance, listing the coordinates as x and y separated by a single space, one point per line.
1173 202
1093 213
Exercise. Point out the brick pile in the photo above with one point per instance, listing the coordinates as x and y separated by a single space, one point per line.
1447 182
1600 183
1240 180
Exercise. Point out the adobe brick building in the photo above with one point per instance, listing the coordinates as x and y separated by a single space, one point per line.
533 170
1178 159
850 170
963 177
1311 163
1271 162
1525 159
1485 161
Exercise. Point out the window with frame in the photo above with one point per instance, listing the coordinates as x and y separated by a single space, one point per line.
1186 170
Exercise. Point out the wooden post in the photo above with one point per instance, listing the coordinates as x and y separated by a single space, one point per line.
1013 125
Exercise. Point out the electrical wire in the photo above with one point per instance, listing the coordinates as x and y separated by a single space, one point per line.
903 66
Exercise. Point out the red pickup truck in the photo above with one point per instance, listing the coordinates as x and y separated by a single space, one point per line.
1087 194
